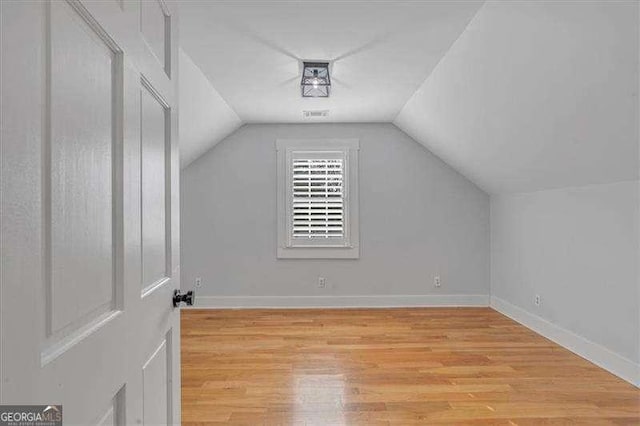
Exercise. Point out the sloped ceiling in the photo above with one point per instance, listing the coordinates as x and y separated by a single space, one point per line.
380 51
517 96
536 95
205 118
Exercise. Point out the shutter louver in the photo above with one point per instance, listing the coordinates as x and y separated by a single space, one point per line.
318 198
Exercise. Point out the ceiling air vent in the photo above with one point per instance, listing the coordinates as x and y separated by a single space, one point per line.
315 114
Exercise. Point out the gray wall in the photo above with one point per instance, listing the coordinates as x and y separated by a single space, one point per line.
578 249
418 218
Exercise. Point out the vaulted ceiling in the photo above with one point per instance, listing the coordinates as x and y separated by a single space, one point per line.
536 95
380 53
518 96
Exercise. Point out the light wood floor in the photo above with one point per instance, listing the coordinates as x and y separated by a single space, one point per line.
388 366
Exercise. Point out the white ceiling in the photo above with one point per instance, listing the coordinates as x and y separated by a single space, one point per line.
536 95
205 118
381 52
517 96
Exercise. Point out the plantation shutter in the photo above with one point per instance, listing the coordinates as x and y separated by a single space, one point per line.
318 198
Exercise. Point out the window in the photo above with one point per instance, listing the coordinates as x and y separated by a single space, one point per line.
318 198
318 202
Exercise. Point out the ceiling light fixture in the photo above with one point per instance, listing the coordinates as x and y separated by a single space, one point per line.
315 80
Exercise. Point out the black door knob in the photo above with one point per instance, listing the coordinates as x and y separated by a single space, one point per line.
187 298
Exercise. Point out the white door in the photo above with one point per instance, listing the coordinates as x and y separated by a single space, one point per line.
90 244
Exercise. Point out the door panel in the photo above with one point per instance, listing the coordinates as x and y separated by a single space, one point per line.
89 212
156 373
155 26
154 114
79 165
114 414
108 419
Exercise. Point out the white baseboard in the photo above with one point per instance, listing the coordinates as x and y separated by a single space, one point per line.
597 354
378 301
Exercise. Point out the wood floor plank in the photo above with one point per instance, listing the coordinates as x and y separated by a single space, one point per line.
390 367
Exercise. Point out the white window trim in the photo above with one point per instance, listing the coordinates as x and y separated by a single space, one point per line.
350 249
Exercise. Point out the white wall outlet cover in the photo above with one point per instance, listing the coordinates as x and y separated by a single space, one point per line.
436 281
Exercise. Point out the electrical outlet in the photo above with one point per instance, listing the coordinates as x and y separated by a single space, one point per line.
436 281
198 282
322 282
537 300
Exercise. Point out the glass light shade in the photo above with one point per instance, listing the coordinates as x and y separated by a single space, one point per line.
315 80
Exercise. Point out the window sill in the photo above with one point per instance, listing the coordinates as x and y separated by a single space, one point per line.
318 253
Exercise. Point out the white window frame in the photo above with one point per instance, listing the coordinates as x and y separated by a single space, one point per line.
349 246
